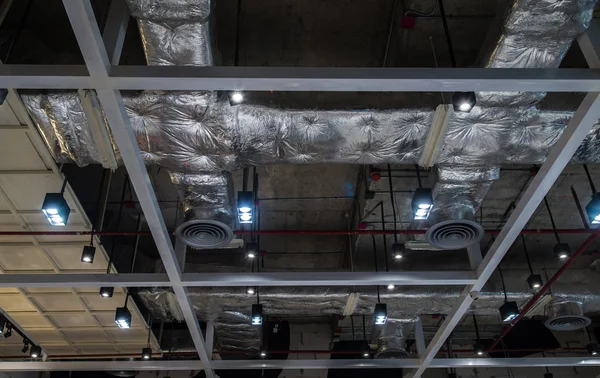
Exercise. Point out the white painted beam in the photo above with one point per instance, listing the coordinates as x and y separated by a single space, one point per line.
302 78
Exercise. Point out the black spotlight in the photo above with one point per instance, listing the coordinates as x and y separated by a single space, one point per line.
56 209
562 251
509 311
235 98
251 250
478 349
535 281
123 317
107 292
25 346
380 313
257 314
87 256
548 375
463 101
36 351
398 251
593 349
245 204
146 353
593 209
263 351
8 332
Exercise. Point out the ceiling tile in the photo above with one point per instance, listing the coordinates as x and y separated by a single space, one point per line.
87 336
58 302
15 303
47 336
69 258
129 335
16 143
73 320
32 320
24 258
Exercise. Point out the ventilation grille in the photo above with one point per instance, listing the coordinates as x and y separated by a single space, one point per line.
568 323
454 234
391 354
204 234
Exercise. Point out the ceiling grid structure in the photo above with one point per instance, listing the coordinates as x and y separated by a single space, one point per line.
84 321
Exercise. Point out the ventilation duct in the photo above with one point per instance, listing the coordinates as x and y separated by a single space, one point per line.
391 339
566 315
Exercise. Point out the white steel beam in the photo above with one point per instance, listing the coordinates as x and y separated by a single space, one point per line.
301 78
94 53
239 279
154 365
583 120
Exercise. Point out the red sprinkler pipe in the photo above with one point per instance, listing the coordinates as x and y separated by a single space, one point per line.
545 288
547 231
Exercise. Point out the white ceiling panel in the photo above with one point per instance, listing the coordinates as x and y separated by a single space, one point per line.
87 336
129 335
24 258
33 320
49 302
16 143
73 320
27 192
15 303
48 336
69 258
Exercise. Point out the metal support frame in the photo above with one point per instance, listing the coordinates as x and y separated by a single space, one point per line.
459 278
102 73
94 53
302 78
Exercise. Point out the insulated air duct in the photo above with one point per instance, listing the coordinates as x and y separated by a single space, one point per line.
391 339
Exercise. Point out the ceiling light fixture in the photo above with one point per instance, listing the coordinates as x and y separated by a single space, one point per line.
250 290
146 353
509 310
478 347
561 250
390 287
35 352
257 314
235 98
263 351
422 201
89 251
2 325
463 101
251 250
25 346
245 204
123 316
8 332
534 280
380 313
398 251
55 207
107 292
592 208
593 349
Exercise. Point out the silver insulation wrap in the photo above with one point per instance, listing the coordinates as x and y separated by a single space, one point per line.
230 307
174 33
391 338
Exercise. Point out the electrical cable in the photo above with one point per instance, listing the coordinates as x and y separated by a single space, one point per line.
503 284
551 219
476 327
526 254
352 325
589 177
447 32
418 176
393 204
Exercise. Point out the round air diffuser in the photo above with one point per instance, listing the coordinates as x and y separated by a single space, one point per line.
391 354
454 234
204 234
566 316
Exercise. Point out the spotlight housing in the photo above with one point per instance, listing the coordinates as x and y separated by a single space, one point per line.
251 250
2 325
593 349
509 311
548 375
263 351
535 281
593 209
380 313
123 317
107 292
8 332
398 251
422 203
147 353
463 101
235 98
87 256
478 349
35 351
562 251
56 209
25 346
244 207
257 314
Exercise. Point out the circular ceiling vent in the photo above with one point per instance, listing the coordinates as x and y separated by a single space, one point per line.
568 322
204 234
454 234
391 354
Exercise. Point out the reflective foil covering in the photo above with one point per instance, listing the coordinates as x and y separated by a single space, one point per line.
206 195
63 124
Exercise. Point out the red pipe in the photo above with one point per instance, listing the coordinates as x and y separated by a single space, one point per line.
545 288
572 231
